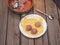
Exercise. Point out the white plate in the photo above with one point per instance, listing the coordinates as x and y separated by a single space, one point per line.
33 16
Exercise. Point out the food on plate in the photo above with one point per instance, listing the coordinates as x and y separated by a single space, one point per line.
33 31
32 26
37 24
28 27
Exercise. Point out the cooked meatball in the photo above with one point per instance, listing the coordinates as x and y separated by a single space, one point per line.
28 27
37 24
33 31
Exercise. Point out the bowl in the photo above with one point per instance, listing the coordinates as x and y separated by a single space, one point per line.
27 6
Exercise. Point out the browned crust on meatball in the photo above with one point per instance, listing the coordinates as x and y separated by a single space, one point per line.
28 27
37 24
33 31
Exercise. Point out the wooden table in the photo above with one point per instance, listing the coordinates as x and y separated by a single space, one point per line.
9 21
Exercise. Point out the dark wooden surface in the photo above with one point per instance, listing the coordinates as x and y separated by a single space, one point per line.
9 21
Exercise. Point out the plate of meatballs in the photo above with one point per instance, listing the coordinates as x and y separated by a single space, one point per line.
33 26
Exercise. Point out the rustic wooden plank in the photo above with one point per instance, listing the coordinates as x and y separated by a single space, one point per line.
17 38
39 4
45 36
12 26
57 2
59 25
10 31
25 40
31 41
58 15
13 33
53 25
3 21
45 39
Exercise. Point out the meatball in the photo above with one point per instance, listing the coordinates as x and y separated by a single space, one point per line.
37 24
28 27
33 31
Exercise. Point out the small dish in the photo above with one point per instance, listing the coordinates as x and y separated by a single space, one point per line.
27 6
34 16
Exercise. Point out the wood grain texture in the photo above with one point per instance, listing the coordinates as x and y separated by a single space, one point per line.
27 41
3 21
31 41
59 25
24 40
39 4
9 21
13 33
53 25
58 9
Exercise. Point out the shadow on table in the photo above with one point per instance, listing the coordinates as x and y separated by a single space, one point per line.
57 2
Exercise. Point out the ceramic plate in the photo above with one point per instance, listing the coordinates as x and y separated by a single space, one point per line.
33 16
